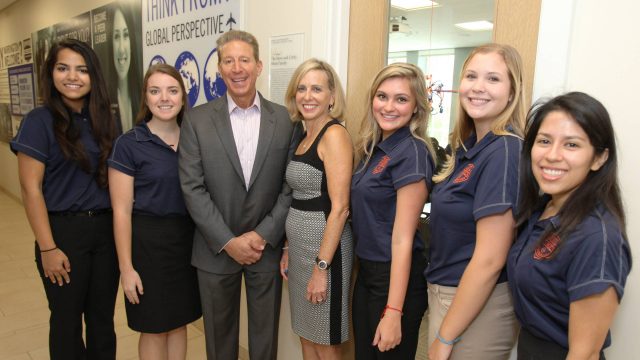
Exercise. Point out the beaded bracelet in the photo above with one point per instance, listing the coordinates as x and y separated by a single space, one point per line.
447 342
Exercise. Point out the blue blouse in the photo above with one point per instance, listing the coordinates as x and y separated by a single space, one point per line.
483 183
545 277
154 167
65 186
397 161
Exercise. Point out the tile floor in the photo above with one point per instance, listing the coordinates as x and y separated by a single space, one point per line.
23 307
24 315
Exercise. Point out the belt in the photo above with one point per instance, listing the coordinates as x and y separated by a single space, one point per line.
86 213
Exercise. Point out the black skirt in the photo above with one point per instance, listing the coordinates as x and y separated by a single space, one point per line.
161 254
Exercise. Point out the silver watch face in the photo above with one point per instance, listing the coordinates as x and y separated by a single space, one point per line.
322 265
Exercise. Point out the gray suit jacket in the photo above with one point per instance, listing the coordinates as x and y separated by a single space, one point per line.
214 188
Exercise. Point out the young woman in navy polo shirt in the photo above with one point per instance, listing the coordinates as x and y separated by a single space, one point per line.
388 191
62 151
153 231
472 225
568 268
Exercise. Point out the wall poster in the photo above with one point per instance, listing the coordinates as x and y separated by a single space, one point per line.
12 58
115 34
183 33
117 39
128 36
21 89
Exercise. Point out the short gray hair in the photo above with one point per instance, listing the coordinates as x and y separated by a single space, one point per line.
238 35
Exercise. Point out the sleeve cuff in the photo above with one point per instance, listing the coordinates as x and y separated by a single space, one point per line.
594 287
121 167
491 209
17 147
225 245
406 180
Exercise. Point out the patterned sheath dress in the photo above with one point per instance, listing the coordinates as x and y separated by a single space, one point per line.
326 323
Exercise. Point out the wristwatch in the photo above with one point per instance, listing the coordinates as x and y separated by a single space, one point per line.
322 264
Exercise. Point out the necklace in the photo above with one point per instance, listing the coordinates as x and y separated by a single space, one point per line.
308 140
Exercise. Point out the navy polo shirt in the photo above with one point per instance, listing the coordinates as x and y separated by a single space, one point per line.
154 168
397 161
546 278
65 186
484 182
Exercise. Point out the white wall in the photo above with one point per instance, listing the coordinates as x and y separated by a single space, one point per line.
325 27
593 46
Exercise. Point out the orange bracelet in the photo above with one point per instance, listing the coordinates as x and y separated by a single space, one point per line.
388 307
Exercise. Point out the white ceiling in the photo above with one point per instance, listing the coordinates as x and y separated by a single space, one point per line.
5 3
441 32
425 35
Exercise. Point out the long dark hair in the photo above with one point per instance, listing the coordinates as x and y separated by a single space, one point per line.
144 114
599 188
103 127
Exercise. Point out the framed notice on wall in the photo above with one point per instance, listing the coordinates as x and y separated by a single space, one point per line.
21 89
286 53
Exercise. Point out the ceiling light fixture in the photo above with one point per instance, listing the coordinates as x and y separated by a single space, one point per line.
410 5
397 25
482 25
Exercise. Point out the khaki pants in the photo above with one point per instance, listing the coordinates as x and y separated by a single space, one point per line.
490 336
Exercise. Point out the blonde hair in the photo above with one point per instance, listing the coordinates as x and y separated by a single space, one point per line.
336 110
510 121
370 131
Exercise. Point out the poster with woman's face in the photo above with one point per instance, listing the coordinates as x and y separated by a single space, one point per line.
114 30
117 41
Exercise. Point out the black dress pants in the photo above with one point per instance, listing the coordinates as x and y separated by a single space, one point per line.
369 299
88 243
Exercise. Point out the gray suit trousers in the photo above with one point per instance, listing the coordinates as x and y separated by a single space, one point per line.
220 296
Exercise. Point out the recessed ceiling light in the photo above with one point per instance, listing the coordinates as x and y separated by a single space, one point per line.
482 25
409 5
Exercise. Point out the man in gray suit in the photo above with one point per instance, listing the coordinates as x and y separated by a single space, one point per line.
233 156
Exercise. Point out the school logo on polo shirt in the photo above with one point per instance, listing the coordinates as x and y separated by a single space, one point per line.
381 164
465 174
547 247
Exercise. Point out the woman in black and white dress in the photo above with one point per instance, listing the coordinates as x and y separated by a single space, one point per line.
318 258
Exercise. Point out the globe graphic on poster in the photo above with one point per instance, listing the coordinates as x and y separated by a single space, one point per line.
214 86
187 66
158 59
